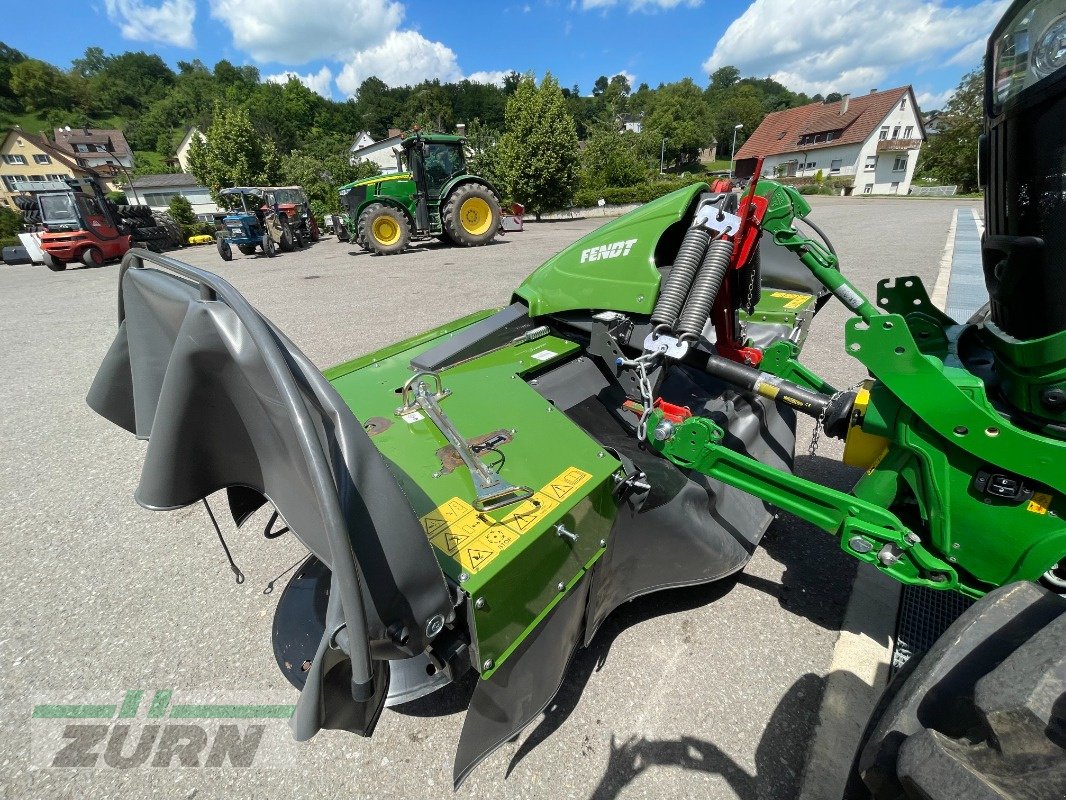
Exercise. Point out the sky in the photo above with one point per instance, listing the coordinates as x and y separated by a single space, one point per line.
815 46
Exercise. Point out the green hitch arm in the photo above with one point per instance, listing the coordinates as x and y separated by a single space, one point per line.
865 531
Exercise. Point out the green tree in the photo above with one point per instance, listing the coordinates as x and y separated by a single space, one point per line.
40 86
181 210
91 64
484 157
539 148
611 158
680 113
951 155
130 82
233 153
10 222
322 167
9 57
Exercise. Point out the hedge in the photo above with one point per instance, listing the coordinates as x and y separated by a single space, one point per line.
624 195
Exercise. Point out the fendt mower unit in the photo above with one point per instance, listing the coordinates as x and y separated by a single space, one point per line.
482 496
436 196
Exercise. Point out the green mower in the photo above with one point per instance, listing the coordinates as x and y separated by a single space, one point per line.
482 496
436 197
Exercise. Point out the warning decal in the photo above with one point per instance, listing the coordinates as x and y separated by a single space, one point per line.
794 300
1039 503
474 539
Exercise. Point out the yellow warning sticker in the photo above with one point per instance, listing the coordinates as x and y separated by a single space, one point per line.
1039 504
794 300
474 539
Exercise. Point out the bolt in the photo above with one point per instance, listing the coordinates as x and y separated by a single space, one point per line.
859 544
664 431
912 538
888 555
1054 399
951 559
463 577
561 587
955 546
564 533
603 542
434 625
488 664
514 431
600 454
534 382
479 603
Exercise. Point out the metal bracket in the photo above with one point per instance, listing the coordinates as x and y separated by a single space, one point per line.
666 345
492 491
715 219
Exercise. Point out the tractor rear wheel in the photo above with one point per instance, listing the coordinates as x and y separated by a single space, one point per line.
287 240
268 245
92 257
385 229
54 263
471 216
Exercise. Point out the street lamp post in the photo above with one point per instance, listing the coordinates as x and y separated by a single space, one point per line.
662 158
733 148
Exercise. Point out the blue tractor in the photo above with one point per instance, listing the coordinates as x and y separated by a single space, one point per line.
248 223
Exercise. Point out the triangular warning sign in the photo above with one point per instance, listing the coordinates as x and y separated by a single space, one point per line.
559 490
453 540
524 521
432 523
476 555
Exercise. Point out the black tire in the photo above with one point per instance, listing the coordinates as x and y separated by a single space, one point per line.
288 240
53 263
268 245
471 215
342 233
392 228
247 249
982 715
92 256
223 248
313 233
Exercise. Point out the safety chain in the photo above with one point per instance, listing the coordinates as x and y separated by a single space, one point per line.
812 449
640 364
751 292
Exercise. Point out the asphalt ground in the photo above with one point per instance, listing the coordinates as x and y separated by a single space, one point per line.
710 692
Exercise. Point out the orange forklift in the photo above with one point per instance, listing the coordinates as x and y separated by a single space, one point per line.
80 226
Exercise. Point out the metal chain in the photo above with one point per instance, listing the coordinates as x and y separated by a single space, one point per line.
640 364
751 291
812 448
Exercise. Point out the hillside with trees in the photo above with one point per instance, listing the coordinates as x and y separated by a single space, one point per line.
287 133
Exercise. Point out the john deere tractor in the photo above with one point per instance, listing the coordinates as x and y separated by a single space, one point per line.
481 497
436 197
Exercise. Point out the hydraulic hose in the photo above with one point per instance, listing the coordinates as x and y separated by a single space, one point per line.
675 289
705 288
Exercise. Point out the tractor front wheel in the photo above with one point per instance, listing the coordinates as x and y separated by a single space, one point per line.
224 249
471 216
385 229
54 263
247 249
268 245
287 240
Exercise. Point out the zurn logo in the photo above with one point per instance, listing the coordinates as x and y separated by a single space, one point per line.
612 250
151 731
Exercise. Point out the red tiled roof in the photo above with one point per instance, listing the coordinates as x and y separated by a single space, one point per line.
780 131
41 142
65 140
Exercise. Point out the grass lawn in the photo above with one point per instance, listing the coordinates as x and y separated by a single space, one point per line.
31 123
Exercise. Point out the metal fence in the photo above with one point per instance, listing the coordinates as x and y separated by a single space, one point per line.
934 191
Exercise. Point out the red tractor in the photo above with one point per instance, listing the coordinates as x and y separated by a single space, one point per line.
80 225
291 201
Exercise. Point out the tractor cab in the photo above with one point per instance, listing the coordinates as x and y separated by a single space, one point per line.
249 223
79 226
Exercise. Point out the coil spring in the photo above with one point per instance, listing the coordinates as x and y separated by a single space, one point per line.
705 288
675 289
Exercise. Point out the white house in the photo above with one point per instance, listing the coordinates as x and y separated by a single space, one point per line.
181 155
156 191
872 139
384 153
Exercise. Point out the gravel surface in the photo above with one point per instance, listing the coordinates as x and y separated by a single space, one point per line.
709 692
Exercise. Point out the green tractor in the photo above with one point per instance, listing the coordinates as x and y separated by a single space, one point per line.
481 497
436 197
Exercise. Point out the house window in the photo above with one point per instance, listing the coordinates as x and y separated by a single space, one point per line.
895 187
158 198
871 163
903 104
790 168
884 133
909 132
899 164
830 136
810 165
834 166
868 188
9 181
40 158
895 132
14 159
55 176
81 148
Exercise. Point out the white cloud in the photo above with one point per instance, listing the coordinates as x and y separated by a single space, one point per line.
492 77
170 22
838 46
288 32
403 59
640 5
927 101
315 81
